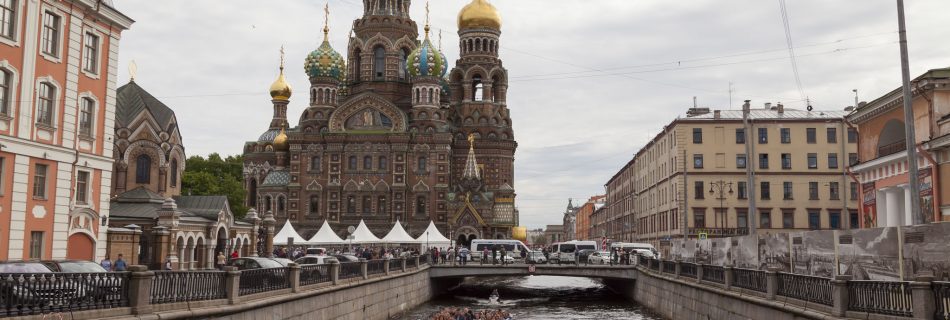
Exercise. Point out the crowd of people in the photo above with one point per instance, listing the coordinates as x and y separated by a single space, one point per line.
469 314
368 253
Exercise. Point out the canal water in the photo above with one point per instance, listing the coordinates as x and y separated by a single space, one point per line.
538 297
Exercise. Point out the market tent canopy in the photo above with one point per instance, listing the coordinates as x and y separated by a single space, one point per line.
398 235
325 236
288 232
434 236
363 235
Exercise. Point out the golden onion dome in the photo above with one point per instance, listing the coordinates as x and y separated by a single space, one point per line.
280 141
479 15
281 90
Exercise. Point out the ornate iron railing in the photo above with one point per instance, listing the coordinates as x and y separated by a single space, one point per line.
184 286
688 269
411 262
654 264
395 265
349 270
805 288
264 280
749 279
375 267
44 293
314 273
881 297
715 274
942 298
892 148
669 267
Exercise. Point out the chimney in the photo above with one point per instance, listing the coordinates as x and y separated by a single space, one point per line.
781 108
717 114
745 108
768 106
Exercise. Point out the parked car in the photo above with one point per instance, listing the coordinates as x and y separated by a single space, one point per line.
74 266
346 258
24 284
251 263
311 259
106 287
316 251
583 255
599 257
536 256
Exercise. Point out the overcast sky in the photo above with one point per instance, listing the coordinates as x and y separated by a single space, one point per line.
590 80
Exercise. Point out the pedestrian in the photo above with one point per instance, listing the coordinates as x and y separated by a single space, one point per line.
484 255
524 255
119 264
494 254
504 254
234 255
463 253
219 261
168 263
106 264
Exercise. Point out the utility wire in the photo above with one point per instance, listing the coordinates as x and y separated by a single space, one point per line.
791 48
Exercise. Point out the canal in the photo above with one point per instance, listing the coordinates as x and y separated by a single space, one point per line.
537 297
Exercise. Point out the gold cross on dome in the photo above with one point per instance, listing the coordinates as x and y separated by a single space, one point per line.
282 57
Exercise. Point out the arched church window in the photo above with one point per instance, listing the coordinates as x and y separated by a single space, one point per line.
267 204
421 164
367 163
281 205
314 204
471 45
320 95
367 204
381 205
315 163
313 96
352 163
351 204
477 87
421 205
403 59
431 94
383 163
174 172
357 64
379 62
143 168
327 96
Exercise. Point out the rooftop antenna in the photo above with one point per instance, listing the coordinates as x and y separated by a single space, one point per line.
133 69
808 103
855 97
694 102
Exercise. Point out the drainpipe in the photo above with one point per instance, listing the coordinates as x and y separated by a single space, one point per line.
749 172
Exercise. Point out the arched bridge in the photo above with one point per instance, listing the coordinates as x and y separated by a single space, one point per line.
474 270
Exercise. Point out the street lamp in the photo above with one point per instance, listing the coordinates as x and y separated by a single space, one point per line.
720 187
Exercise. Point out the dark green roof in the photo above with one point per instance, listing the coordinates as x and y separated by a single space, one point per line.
202 206
143 203
132 100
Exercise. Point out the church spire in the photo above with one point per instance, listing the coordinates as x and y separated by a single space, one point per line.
471 166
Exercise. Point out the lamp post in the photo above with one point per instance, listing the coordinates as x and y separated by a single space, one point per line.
427 240
720 187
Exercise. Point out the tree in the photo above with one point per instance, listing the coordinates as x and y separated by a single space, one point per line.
215 176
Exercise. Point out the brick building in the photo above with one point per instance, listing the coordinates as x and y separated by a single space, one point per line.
583 223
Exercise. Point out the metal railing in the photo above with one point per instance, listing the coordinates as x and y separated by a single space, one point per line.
184 286
715 274
375 267
669 267
942 298
411 262
654 264
311 274
43 293
881 297
688 269
892 148
349 270
749 279
805 288
264 280
395 264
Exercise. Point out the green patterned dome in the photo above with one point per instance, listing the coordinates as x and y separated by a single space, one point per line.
426 61
325 62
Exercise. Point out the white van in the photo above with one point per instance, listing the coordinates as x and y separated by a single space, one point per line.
513 247
629 246
565 252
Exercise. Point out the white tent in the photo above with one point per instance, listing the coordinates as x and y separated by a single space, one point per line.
432 237
325 236
363 235
398 235
288 232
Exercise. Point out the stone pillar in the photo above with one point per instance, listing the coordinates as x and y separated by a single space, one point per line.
121 173
363 268
294 274
894 207
417 261
662 266
881 208
208 251
386 266
335 272
677 268
839 292
729 276
232 285
771 284
923 297
699 272
252 216
269 223
161 246
162 180
140 287
908 216
403 263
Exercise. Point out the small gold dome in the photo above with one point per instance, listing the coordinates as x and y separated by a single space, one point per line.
280 141
479 14
281 90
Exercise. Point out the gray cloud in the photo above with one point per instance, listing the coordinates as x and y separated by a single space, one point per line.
612 78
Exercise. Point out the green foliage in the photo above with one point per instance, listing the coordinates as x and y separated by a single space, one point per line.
215 176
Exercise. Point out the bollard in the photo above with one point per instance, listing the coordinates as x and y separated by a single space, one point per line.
386 266
403 263
839 291
363 268
771 283
232 285
140 288
924 305
728 277
293 275
335 272
417 261
699 272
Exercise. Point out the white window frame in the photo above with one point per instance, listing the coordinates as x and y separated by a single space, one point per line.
95 111
57 98
58 58
94 74
14 84
19 6
45 195
85 190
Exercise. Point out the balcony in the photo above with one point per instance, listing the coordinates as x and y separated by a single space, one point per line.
719 232
891 148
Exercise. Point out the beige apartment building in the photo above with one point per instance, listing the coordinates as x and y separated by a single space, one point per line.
691 179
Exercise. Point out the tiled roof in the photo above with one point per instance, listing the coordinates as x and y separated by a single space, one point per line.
268 136
276 178
134 210
204 206
131 100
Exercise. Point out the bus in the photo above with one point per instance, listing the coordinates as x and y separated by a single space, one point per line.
565 252
513 247
639 247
